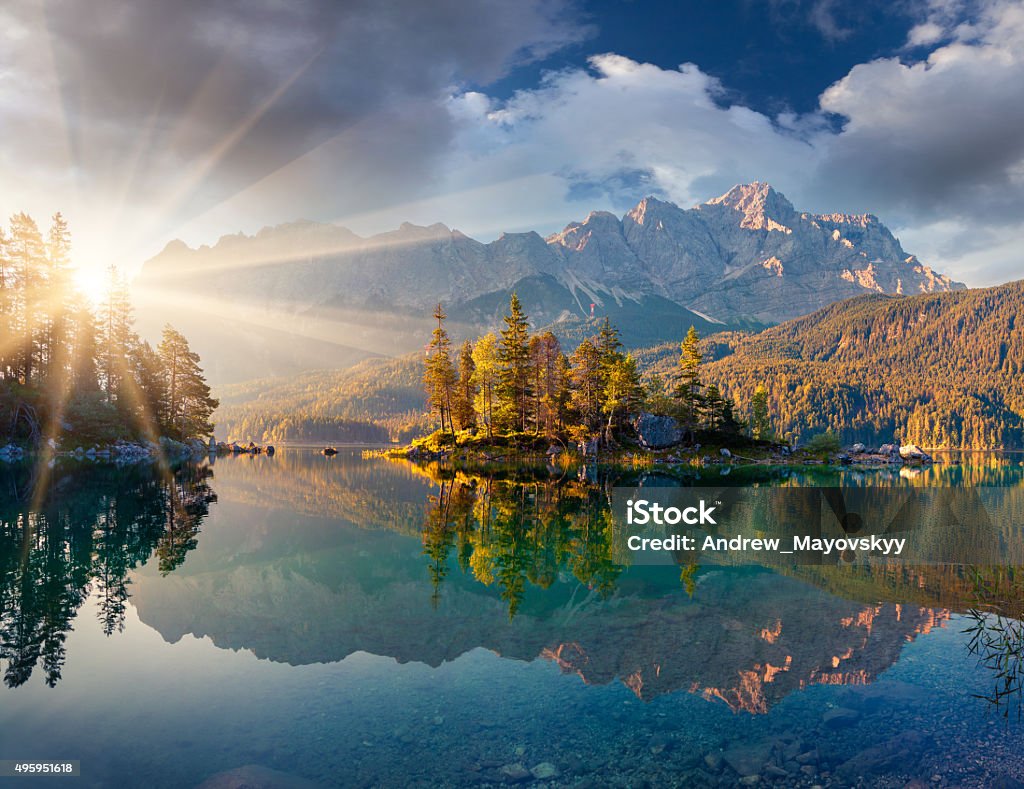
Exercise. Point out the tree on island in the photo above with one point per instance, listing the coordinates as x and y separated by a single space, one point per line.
515 388
439 377
524 383
464 411
550 383
585 391
485 378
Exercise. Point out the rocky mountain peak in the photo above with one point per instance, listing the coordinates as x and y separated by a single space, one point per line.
408 229
649 208
762 207
601 218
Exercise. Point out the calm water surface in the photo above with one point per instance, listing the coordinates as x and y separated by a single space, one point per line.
351 622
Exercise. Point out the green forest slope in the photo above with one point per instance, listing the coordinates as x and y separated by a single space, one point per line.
941 370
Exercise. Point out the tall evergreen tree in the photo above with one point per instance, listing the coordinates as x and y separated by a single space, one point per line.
586 390
550 386
187 405
82 331
760 425
56 357
688 390
439 376
7 306
515 379
118 338
713 407
464 413
28 259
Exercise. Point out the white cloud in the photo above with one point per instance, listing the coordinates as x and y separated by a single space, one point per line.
379 130
936 148
924 34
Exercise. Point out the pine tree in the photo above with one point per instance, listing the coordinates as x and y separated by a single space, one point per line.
58 303
28 257
608 345
549 383
146 369
187 405
760 425
439 376
713 407
688 391
117 337
465 392
82 332
586 390
7 306
514 376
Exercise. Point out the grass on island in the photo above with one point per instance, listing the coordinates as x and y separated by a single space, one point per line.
467 446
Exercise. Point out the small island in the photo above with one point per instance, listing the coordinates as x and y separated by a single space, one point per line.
517 397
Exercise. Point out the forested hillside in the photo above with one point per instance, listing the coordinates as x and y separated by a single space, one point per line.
939 370
373 401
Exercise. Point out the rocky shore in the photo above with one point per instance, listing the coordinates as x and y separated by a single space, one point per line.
120 452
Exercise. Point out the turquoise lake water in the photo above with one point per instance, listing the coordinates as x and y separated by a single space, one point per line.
306 621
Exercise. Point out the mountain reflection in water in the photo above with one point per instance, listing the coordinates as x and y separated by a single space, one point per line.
308 560
355 621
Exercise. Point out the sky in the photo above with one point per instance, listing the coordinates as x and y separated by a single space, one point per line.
147 121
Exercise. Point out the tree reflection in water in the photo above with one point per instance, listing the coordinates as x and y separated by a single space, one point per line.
82 535
510 533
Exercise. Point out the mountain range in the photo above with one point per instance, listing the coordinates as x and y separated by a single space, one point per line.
306 295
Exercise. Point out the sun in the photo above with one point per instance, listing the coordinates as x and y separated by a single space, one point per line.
91 282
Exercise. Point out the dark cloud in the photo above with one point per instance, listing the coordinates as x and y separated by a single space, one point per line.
199 100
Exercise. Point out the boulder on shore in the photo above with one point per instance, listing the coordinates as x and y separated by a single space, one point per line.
914 453
657 432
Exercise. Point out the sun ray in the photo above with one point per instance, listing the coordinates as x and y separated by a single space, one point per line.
197 172
342 330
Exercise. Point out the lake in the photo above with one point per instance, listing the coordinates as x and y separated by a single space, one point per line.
299 620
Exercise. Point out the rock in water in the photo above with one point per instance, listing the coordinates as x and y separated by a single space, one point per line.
748 758
544 770
515 773
902 752
657 432
840 717
254 776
